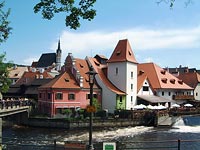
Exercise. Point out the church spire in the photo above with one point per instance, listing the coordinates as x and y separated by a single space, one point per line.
58 56
58 50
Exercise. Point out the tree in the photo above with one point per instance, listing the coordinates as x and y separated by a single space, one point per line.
74 9
5 29
4 74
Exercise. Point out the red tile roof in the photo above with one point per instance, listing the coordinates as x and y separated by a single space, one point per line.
140 80
161 79
64 80
67 80
122 52
190 78
99 69
28 77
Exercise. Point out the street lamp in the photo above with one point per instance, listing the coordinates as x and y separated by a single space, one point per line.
91 74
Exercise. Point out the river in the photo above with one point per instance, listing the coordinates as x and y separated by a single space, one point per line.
186 128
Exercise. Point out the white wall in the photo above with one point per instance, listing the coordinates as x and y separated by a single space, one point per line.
108 97
197 90
141 92
123 80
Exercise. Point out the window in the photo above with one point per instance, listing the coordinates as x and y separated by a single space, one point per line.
116 71
163 93
196 94
145 88
131 86
40 95
120 99
131 99
59 96
49 95
169 93
131 74
71 96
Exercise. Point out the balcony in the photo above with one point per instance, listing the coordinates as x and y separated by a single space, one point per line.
183 97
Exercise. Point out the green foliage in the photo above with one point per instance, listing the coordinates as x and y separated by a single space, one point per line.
5 30
74 9
4 74
96 104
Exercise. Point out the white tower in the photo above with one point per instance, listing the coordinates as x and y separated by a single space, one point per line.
122 71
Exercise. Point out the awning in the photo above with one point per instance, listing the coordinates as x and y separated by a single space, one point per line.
154 99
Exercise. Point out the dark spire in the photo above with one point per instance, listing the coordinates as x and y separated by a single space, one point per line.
58 50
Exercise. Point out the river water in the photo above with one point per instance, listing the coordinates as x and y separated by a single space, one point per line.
186 129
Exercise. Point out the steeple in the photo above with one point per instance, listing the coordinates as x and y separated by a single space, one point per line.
58 57
58 50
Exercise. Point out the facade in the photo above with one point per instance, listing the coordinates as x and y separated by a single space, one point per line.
27 85
118 78
193 80
69 90
165 85
16 72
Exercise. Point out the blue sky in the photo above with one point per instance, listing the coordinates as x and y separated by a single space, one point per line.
167 37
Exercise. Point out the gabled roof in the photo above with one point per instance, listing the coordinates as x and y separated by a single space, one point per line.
17 72
28 77
64 80
122 53
160 78
190 78
140 80
103 77
67 80
46 60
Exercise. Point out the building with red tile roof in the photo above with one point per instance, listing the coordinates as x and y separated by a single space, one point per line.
69 90
164 84
16 72
117 77
193 80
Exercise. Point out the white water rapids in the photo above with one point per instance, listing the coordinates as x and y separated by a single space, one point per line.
182 127
110 135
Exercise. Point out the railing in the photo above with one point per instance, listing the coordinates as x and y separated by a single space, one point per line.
129 145
183 97
7 104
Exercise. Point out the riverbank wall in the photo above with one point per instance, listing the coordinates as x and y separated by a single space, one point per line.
66 124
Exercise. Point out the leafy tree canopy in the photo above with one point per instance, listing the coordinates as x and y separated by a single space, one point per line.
4 74
5 30
74 9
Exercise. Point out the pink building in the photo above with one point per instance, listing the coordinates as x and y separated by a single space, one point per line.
70 89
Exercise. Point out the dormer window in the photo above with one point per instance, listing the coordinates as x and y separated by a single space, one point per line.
66 80
141 72
163 72
81 66
172 81
164 80
180 81
118 53
96 63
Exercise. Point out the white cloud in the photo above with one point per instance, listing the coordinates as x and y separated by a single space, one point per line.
28 61
149 59
90 43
